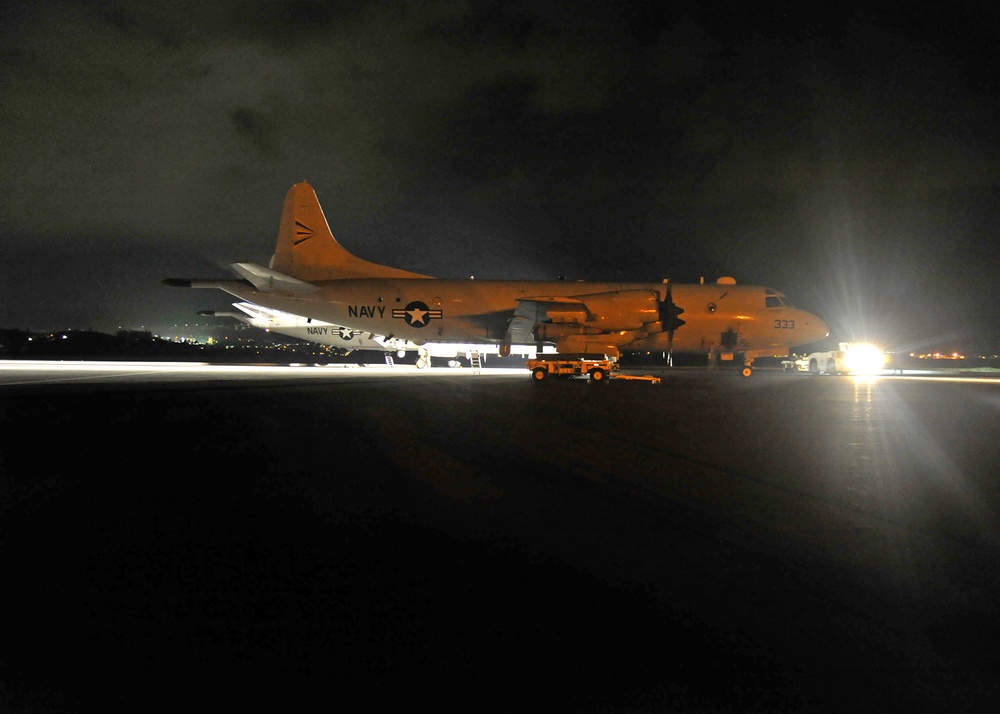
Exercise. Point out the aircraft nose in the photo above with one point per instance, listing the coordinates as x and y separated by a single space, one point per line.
811 328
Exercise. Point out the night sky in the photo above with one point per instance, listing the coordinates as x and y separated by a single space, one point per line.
844 154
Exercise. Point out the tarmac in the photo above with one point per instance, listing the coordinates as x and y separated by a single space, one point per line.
303 538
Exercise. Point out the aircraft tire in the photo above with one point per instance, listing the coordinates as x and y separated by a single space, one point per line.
747 371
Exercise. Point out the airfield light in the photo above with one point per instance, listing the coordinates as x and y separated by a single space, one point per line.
864 359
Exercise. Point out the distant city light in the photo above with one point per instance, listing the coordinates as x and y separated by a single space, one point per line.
938 355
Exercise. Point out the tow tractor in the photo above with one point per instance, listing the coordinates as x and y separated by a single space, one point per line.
848 359
598 369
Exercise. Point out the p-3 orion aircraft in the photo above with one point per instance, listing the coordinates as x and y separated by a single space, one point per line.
314 276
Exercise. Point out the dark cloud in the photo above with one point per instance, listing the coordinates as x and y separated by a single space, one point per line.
846 155
259 129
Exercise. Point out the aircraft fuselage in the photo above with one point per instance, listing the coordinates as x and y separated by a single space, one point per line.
717 317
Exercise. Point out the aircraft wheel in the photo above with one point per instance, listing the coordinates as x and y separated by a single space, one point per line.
421 362
813 367
747 371
539 375
598 375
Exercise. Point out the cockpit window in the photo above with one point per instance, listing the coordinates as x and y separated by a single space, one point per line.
776 301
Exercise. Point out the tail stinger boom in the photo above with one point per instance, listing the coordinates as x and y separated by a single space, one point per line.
308 251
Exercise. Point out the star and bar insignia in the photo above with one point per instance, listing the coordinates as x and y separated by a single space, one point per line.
417 314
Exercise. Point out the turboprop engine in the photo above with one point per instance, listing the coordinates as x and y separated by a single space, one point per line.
622 309
599 313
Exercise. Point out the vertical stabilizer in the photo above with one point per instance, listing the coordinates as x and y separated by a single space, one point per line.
308 251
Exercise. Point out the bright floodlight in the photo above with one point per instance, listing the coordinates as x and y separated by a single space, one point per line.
864 359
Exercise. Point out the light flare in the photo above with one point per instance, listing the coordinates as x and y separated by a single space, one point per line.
864 359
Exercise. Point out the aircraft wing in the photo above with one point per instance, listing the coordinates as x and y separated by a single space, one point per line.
266 280
530 311
522 323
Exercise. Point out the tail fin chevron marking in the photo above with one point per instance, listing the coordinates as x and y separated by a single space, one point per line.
303 230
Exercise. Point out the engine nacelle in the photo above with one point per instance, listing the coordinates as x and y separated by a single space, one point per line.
608 343
588 345
622 309
611 319
553 332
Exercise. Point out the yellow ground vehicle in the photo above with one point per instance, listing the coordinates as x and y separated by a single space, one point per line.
599 370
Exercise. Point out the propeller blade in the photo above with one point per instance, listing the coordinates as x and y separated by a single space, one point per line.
670 320
670 312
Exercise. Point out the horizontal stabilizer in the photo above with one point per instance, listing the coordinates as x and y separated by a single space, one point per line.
217 313
229 285
267 280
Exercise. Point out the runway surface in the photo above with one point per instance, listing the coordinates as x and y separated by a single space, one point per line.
375 539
